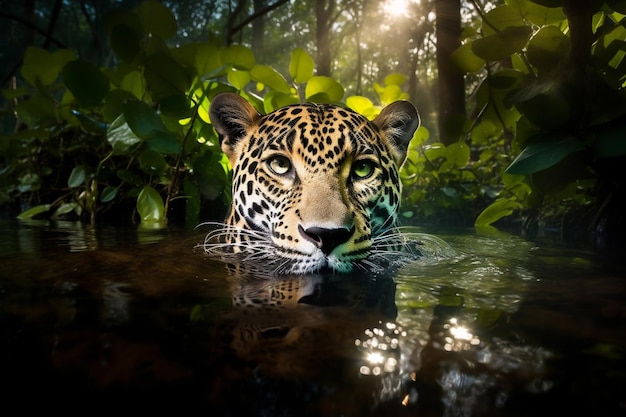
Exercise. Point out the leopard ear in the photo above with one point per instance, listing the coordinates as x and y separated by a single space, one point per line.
398 122
232 116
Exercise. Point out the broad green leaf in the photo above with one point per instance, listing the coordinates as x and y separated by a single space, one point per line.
142 119
108 194
157 19
464 59
548 109
33 211
238 79
120 135
114 104
323 89
238 56
301 66
273 100
41 66
150 206
434 151
536 13
130 177
77 176
270 78
458 153
363 105
164 142
135 83
391 93
125 42
543 153
152 162
86 82
165 76
65 208
500 18
37 111
207 59
503 44
395 79
548 48
500 208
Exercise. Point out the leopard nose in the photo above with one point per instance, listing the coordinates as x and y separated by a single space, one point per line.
326 239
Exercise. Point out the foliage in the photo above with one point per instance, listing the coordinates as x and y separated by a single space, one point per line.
560 108
137 134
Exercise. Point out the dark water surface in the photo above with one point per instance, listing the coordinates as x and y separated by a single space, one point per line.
96 321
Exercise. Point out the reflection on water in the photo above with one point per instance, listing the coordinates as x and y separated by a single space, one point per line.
480 325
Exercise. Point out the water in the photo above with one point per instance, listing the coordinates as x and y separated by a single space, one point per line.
105 320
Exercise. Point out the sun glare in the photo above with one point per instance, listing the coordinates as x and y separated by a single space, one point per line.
396 8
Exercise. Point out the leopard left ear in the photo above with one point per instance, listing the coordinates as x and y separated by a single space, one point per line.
232 116
398 122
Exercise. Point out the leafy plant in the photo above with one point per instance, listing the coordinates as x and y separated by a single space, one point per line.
136 137
550 94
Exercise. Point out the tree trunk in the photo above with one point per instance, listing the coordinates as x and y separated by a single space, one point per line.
451 84
323 16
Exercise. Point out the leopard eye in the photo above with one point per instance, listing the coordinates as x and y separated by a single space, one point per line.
363 169
279 164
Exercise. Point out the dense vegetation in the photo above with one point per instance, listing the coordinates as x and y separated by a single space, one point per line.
541 135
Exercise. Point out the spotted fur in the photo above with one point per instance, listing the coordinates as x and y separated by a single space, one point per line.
315 187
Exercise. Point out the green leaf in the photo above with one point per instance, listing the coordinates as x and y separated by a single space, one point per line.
502 45
41 66
33 211
395 79
114 104
238 56
150 206
108 194
499 18
157 19
434 151
362 105
120 136
77 176
301 66
465 60
125 42
89 124
500 208
86 82
142 119
238 79
322 89
271 78
458 153
542 154
130 177
165 76
164 142
152 162
548 48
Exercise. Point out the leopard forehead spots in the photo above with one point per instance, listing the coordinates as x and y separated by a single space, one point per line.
313 185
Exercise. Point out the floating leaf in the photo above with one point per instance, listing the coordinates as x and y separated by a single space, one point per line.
301 66
543 153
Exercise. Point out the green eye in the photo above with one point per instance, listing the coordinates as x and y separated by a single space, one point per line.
279 165
363 168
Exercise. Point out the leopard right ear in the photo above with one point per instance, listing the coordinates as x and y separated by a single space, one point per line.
232 116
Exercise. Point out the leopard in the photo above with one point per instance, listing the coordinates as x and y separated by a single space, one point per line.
315 187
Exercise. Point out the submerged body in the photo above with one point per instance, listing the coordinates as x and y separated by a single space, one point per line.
315 187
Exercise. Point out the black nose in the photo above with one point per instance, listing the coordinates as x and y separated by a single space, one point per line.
326 239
